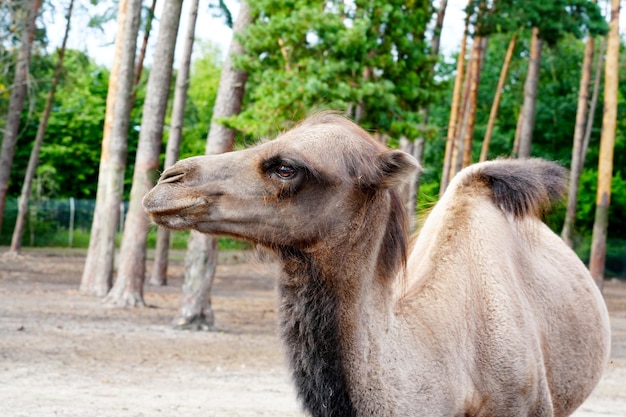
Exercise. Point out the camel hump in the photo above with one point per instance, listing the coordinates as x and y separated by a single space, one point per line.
522 187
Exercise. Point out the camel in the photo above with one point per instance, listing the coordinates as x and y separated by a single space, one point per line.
486 312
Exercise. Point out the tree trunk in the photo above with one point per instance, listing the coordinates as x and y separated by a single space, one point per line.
496 99
159 271
518 128
594 102
230 91
359 112
201 257
416 147
530 96
436 39
480 45
33 161
98 273
454 110
457 143
128 288
579 132
408 191
607 142
196 312
88 284
144 44
417 150
16 101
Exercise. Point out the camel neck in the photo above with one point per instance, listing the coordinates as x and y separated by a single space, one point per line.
332 297
320 309
309 316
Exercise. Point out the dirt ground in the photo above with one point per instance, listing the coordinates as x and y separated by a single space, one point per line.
66 354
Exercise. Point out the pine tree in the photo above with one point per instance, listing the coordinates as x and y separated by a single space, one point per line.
496 100
18 92
201 256
579 133
455 109
97 278
159 271
128 288
607 143
18 231
531 86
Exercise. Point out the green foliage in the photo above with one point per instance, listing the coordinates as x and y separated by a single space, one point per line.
429 194
587 203
226 243
72 144
178 240
555 19
71 147
304 55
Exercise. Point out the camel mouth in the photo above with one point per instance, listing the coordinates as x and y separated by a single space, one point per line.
155 211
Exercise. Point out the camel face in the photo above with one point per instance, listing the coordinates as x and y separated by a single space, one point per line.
295 190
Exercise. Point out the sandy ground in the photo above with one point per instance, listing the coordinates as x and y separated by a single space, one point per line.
66 354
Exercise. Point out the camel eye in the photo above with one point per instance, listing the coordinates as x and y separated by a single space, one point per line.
285 171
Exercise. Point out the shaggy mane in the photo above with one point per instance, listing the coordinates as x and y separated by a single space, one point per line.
394 249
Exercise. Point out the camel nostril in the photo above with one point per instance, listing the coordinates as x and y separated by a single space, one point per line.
171 176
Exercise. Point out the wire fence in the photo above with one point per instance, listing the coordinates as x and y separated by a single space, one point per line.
53 222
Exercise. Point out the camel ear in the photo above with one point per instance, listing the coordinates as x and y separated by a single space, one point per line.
396 167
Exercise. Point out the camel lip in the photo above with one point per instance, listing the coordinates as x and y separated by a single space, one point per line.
155 210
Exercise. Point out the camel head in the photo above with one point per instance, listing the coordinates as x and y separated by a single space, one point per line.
306 185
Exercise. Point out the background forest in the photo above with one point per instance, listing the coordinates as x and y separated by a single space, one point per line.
374 60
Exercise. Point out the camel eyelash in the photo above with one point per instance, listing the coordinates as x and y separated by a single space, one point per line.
303 171
271 165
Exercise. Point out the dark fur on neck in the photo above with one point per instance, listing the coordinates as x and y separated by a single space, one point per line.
309 310
310 329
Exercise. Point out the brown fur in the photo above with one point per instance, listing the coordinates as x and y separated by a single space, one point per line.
488 314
